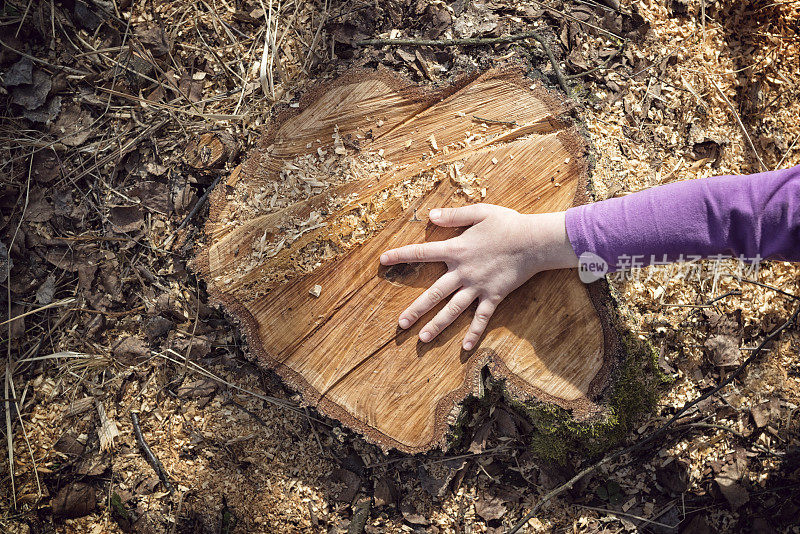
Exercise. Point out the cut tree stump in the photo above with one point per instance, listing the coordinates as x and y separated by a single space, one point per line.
295 233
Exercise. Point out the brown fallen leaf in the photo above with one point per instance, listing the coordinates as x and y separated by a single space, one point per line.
724 350
73 126
385 492
203 387
505 424
39 211
126 219
481 436
74 500
346 485
763 412
490 507
734 493
46 291
157 327
154 38
93 465
20 73
411 515
153 196
674 476
131 348
33 95
46 113
69 445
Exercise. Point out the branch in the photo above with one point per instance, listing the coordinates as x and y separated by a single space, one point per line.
477 42
741 125
554 62
448 42
151 458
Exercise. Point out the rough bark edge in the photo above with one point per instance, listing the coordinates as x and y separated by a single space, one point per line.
573 142
637 381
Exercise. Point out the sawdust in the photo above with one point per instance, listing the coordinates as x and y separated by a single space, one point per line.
273 476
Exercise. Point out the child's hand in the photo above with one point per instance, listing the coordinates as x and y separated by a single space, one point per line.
500 251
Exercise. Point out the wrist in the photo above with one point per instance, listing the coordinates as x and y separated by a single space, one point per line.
548 241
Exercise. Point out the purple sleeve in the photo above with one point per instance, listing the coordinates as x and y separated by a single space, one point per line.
755 216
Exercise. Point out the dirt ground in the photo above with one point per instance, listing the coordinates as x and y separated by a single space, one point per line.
100 180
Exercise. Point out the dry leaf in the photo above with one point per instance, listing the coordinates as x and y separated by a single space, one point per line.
75 500
489 507
33 95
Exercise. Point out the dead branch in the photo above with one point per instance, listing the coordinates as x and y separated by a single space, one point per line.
151 458
562 81
479 41
741 125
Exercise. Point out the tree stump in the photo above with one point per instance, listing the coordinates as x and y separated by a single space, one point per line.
294 236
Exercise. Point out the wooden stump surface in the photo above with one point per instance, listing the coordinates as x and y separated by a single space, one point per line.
294 236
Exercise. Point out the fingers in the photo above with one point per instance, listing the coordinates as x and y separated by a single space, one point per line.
464 216
433 251
447 315
440 290
476 328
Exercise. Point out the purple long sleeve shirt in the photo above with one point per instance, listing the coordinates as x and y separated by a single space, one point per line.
751 217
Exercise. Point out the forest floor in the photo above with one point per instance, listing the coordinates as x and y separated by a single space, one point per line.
103 99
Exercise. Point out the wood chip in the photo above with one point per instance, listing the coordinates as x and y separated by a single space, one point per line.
108 429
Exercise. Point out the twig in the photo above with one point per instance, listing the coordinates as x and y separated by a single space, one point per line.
741 125
154 462
624 514
195 209
63 302
478 41
45 63
494 121
552 10
554 62
765 286
8 377
251 413
123 313
659 431
778 166
200 203
208 374
599 67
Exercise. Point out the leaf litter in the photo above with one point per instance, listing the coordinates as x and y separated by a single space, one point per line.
653 116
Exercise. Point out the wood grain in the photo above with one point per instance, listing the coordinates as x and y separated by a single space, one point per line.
342 350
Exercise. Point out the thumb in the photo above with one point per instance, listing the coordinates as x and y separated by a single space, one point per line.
465 216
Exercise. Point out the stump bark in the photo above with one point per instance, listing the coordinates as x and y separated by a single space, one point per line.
294 236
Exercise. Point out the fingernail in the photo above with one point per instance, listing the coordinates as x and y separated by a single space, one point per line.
468 345
384 258
425 336
404 323
435 214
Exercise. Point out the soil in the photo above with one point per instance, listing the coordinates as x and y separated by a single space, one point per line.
103 102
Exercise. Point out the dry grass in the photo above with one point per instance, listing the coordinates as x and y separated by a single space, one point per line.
67 186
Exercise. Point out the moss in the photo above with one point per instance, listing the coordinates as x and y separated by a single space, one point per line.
635 390
557 435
